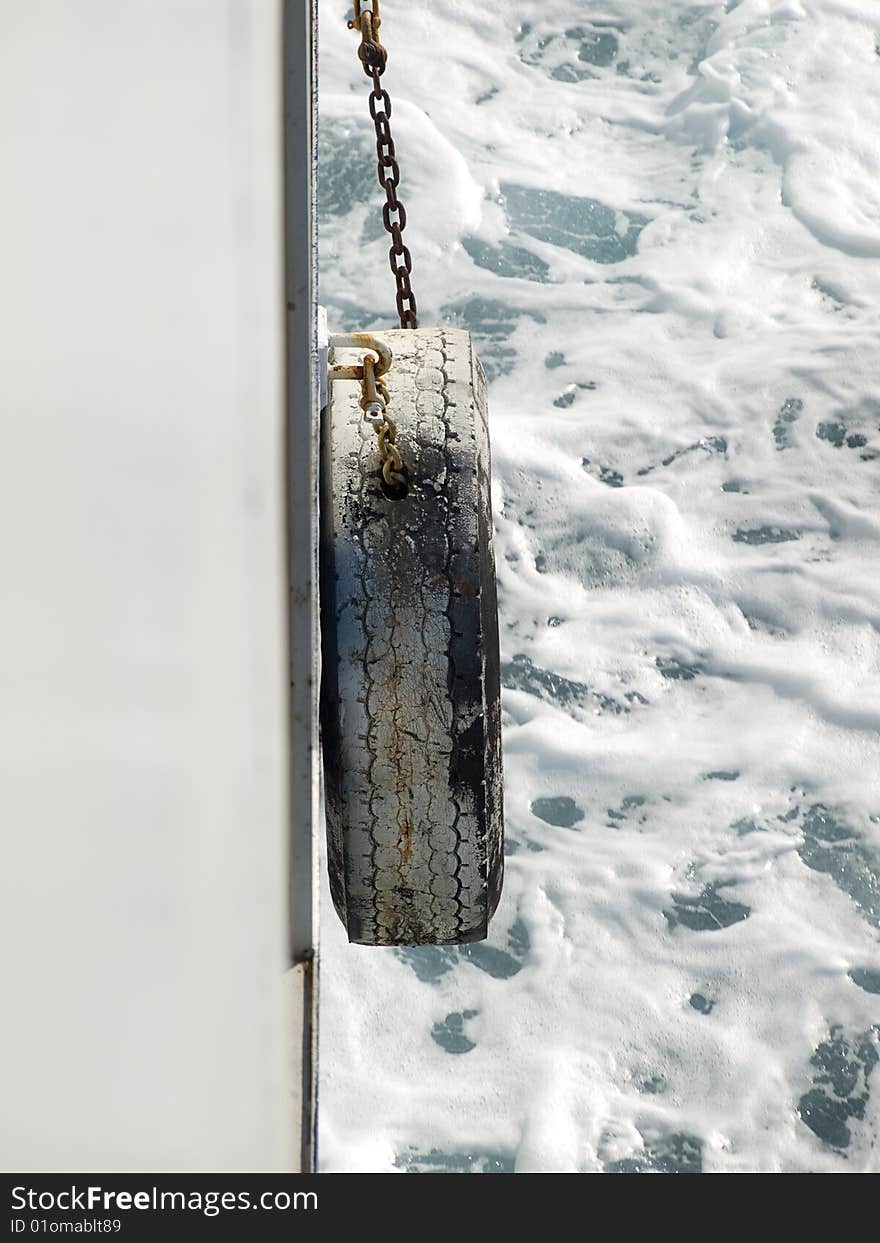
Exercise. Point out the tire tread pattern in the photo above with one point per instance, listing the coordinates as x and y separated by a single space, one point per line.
410 697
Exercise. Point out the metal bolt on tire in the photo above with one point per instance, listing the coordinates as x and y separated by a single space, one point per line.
410 696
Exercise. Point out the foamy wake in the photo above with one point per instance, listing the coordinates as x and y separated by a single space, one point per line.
662 223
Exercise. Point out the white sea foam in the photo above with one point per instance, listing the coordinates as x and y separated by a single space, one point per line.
663 227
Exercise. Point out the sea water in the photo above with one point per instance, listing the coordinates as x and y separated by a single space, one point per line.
661 222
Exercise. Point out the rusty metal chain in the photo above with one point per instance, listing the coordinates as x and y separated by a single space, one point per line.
373 57
374 400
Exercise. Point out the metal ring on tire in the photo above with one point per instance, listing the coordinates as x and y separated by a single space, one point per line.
410 697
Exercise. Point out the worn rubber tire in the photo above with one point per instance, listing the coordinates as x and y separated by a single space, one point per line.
410 696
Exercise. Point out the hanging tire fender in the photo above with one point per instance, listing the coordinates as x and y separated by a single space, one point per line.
410 698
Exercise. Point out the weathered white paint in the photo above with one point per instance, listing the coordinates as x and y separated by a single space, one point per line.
142 664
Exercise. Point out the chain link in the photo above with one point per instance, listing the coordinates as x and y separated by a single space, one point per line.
373 57
374 402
